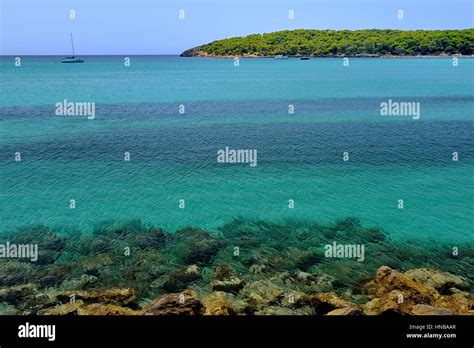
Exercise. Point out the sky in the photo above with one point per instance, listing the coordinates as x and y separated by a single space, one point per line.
103 27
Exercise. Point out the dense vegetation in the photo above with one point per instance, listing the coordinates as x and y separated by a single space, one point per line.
343 42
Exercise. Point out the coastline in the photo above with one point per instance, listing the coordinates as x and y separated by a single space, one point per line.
201 54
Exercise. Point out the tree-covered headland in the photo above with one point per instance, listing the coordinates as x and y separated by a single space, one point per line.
371 42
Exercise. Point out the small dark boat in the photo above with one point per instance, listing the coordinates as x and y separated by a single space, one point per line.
304 58
72 59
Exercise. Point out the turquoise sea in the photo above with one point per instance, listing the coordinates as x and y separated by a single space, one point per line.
300 155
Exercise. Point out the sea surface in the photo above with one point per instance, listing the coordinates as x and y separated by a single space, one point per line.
300 154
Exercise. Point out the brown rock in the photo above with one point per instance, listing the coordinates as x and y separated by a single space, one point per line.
262 293
193 269
185 303
108 309
459 303
388 279
232 284
63 309
397 293
422 309
441 281
324 303
223 271
125 296
393 302
221 303
278 310
349 310
413 293
80 308
256 269
15 294
96 263
181 278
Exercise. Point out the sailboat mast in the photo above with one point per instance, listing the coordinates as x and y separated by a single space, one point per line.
72 44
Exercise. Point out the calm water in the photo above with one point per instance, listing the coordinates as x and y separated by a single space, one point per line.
173 156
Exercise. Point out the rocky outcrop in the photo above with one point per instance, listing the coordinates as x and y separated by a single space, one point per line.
63 309
460 303
326 303
279 310
421 309
121 297
443 282
414 293
185 303
192 52
106 302
232 284
81 308
222 303
262 293
196 246
15 294
225 279
180 279
349 310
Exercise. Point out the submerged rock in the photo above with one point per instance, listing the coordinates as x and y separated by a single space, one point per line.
193 269
13 272
107 309
195 246
421 309
180 279
93 265
15 294
459 303
279 310
349 310
311 283
232 284
185 303
152 238
257 269
303 259
443 282
62 309
221 303
50 245
268 260
26 298
324 303
389 279
262 293
53 275
126 296
6 309
81 308
223 271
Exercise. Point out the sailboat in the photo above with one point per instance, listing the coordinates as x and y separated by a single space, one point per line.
72 59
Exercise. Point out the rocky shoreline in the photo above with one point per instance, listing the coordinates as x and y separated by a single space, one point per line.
197 52
245 268
415 292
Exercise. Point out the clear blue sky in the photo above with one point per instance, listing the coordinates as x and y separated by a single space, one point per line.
153 26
